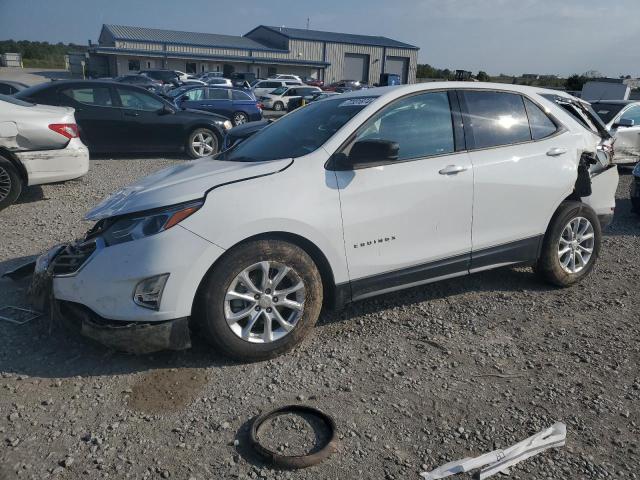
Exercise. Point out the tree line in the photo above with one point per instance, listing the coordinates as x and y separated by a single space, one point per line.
40 54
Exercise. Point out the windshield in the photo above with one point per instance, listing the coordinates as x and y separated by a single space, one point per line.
298 133
279 91
15 101
607 111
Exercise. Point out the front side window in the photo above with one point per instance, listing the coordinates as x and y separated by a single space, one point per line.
98 96
541 125
134 65
496 118
138 100
298 133
195 94
632 113
421 125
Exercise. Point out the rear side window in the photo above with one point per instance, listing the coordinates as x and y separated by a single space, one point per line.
496 118
218 94
98 96
541 125
421 125
236 95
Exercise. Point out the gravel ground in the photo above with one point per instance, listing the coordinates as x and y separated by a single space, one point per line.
413 379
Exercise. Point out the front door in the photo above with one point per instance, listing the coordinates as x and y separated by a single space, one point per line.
146 127
409 221
627 145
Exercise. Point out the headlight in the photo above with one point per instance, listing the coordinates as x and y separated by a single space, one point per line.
227 125
136 226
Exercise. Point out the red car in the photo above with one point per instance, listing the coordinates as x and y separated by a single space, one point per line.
313 82
343 86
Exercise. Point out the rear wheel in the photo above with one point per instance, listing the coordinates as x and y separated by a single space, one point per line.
278 106
202 142
260 300
10 183
240 118
571 245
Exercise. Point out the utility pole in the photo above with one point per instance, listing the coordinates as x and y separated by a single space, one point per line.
308 21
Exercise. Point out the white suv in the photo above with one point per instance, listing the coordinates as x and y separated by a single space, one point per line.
263 87
344 199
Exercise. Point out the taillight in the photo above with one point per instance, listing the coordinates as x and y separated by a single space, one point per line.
259 105
69 130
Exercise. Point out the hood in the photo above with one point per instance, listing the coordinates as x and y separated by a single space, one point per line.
182 183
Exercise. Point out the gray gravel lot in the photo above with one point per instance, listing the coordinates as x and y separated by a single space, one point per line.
413 379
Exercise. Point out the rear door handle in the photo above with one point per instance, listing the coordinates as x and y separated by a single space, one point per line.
452 169
556 152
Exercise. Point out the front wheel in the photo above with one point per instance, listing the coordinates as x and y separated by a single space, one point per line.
571 245
10 183
202 142
278 106
260 300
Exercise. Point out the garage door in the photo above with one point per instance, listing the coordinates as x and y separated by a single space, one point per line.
356 67
399 66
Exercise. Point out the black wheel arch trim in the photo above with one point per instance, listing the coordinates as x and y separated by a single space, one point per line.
10 156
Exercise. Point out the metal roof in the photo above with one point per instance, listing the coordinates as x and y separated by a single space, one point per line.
320 36
143 34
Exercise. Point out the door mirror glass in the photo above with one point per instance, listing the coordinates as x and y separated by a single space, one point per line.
624 123
370 153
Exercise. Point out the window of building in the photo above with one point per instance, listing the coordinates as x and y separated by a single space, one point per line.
496 118
421 125
134 65
192 67
541 125
98 96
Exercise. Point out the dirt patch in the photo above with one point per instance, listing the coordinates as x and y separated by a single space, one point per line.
164 391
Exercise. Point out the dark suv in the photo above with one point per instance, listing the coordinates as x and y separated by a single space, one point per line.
164 76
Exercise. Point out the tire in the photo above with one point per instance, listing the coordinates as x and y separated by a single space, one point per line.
278 106
10 183
550 264
245 341
239 118
202 142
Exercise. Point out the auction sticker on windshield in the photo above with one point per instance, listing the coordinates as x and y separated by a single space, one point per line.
352 102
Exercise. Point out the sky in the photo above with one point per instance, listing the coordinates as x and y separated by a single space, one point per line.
499 36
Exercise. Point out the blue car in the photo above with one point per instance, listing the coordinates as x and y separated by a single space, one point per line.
238 105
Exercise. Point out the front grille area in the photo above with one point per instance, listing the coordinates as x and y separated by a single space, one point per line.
72 257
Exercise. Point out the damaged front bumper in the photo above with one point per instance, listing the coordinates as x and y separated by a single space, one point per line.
131 337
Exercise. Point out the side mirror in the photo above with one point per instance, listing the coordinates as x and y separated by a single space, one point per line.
167 110
369 153
624 123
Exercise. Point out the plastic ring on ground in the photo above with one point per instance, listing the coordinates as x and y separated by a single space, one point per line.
294 461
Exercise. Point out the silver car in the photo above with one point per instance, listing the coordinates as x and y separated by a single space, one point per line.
622 119
38 144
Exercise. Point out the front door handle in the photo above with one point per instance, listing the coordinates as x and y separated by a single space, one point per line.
452 169
556 152
131 114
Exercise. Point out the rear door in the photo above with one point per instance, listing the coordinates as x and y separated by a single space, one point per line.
96 114
627 145
409 221
521 174
219 101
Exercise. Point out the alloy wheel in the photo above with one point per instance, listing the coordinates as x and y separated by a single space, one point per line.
264 302
5 184
203 144
576 244
239 119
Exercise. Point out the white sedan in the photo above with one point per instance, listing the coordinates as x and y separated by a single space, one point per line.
38 144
